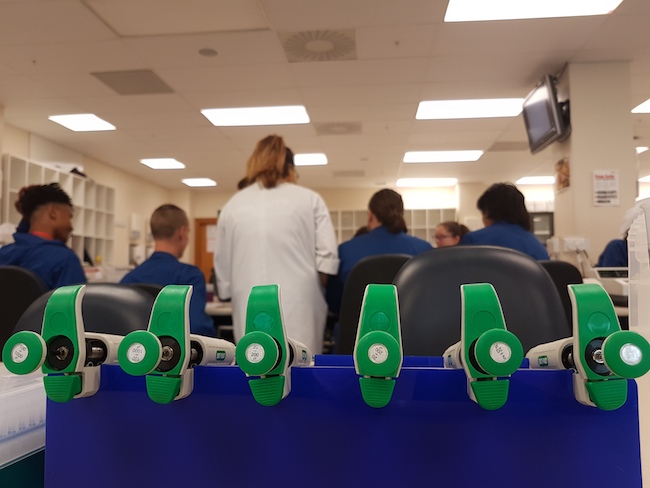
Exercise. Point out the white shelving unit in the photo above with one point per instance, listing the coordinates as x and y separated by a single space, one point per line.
420 223
94 204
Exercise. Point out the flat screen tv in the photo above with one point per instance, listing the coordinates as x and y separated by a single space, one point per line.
546 119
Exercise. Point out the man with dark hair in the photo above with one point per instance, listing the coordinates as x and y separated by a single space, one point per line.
507 222
170 230
41 245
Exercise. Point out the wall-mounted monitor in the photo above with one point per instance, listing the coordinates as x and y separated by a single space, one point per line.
546 119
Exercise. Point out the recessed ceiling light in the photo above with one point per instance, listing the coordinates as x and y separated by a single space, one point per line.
425 182
476 10
469 109
82 122
536 180
642 149
162 163
645 179
199 182
310 159
247 116
441 156
643 108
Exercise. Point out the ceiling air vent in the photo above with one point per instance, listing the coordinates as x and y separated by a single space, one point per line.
320 45
133 82
337 128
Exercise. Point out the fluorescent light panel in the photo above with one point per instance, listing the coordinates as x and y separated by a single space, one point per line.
199 182
480 10
82 122
469 109
642 149
441 156
162 163
425 182
645 179
249 116
536 180
643 108
310 159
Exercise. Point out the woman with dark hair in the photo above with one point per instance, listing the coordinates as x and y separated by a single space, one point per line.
507 222
386 235
449 233
273 231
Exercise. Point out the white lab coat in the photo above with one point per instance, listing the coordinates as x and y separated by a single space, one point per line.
282 236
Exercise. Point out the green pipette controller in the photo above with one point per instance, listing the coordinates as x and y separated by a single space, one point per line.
265 353
378 347
487 352
166 352
67 355
602 356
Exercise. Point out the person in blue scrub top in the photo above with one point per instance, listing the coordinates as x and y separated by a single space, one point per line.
40 246
506 221
614 255
170 229
386 235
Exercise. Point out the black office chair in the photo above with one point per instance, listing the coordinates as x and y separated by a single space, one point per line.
19 288
428 286
381 269
152 288
563 274
107 308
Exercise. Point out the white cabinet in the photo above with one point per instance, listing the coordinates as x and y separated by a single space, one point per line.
94 204
420 222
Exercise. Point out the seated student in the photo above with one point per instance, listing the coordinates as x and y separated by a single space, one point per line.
614 255
386 235
507 222
449 233
41 247
170 230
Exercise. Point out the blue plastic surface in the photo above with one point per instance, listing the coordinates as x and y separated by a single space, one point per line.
324 435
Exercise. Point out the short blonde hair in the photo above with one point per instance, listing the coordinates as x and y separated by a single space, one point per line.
271 161
166 220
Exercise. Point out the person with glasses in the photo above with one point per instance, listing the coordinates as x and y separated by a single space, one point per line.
273 231
449 233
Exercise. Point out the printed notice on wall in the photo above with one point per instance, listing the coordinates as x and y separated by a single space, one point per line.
606 188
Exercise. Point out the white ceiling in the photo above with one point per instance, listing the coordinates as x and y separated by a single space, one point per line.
362 111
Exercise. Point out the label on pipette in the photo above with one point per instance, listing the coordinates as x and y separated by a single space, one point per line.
136 353
378 353
19 352
500 352
255 353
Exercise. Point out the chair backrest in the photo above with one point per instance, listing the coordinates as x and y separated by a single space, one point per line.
428 286
380 269
152 288
108 308
19 287
563 273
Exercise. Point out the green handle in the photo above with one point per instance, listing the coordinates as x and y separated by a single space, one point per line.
263 351
605 356
63 317
489 351
378 349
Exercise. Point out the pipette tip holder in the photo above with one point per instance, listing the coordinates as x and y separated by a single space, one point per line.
378 347
487 351
601 355
265 353
68 356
